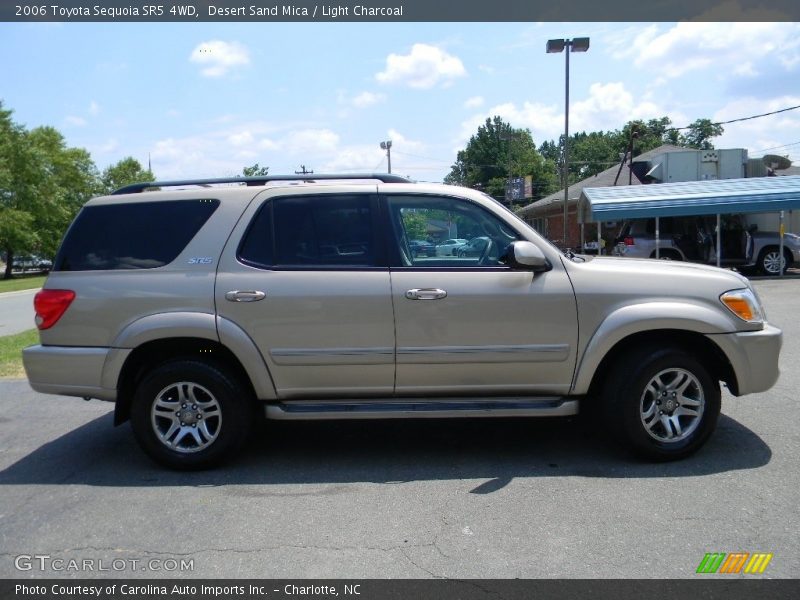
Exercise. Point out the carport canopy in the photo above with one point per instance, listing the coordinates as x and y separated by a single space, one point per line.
710 197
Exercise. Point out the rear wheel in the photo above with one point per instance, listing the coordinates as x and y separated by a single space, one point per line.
191 415
661 402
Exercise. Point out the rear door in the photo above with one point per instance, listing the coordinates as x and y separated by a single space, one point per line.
308 283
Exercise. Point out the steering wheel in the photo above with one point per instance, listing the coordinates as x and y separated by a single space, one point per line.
486 251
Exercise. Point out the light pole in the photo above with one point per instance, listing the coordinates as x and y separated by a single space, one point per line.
554 47
387 145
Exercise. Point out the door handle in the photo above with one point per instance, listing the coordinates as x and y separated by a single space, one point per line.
245 296
426 294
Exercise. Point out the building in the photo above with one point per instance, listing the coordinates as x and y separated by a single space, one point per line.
665 164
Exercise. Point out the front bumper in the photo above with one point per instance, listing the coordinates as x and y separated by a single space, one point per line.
753 356
69 371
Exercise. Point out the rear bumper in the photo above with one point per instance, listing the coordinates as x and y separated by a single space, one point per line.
753 356
68 371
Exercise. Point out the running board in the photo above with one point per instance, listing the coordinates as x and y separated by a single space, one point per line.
415 408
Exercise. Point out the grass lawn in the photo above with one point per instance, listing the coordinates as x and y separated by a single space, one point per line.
11 352
21 282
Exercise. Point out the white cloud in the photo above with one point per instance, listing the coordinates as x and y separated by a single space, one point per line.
75 121
241 138
609 106
218 57
759 134
728 47
365 99
401 143
474 102
310 141
94 108
424 67
355 158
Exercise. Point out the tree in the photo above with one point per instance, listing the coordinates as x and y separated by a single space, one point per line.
124 172
700 133
591 153
42 185
496 151
255 171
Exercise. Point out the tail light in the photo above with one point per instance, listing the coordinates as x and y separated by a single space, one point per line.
50 305
629 241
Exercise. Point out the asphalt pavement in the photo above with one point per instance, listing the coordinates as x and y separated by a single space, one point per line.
440 499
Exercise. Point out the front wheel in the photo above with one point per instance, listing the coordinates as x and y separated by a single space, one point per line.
661 402
770 261
190 415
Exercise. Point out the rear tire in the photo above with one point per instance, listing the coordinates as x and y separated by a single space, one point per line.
191 415
661 403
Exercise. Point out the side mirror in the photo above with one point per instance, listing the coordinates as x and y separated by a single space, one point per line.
527 255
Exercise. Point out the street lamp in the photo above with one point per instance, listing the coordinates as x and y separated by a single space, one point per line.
554 47
387 145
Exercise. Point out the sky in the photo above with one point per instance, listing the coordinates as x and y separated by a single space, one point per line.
207 99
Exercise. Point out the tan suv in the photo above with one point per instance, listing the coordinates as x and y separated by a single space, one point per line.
196 309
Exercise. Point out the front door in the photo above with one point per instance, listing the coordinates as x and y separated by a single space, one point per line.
468 324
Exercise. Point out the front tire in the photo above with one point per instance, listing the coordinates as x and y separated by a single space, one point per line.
770 263
191 415
661 403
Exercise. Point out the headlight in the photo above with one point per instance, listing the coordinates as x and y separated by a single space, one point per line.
744 304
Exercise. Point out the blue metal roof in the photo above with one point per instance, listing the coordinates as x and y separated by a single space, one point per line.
711 197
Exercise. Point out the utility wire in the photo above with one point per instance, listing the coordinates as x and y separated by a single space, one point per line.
776 147
774 112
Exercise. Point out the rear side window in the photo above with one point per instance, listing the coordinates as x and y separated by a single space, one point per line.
141 235
312 231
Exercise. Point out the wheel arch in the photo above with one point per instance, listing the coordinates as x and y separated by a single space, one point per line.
692 342
156 352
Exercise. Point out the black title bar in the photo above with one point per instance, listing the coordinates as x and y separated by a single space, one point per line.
399 10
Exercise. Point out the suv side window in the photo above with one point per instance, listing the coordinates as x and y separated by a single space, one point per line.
334 230
137 235
437 218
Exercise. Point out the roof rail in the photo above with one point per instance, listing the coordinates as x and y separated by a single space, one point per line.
135 188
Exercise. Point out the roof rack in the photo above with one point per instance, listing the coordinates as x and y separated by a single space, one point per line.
136 188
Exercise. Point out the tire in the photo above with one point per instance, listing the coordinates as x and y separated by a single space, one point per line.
655 426
769 263
218 407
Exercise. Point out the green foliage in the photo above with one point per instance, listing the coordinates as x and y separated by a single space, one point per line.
496 151
125 172
11 352
700 133
22 282
592 153
416 225
43 183
255 171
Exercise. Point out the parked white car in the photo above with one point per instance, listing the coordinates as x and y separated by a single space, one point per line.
449 247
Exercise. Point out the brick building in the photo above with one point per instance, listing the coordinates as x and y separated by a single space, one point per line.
547 215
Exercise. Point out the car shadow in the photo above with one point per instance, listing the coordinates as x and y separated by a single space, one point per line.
495 450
